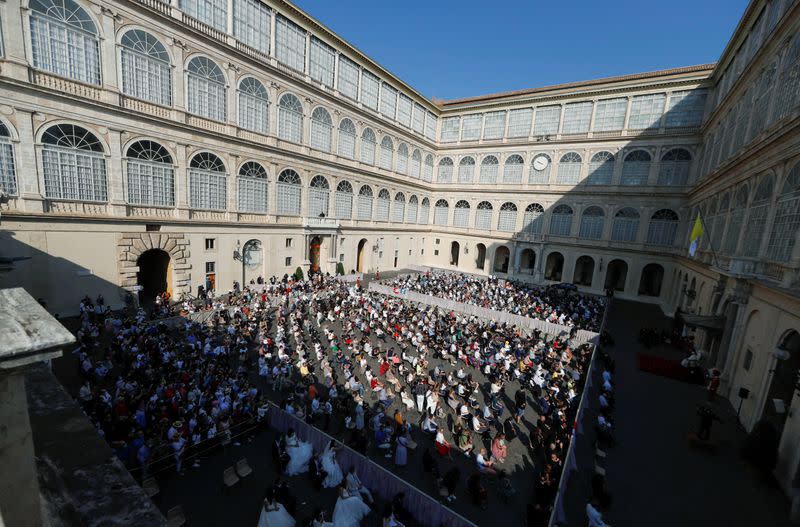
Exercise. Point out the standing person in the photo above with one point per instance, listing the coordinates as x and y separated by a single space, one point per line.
521 402
401 452
349 509
354 486
713 384
419 391
707 418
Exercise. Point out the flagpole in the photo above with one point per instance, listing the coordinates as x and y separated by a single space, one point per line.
710 243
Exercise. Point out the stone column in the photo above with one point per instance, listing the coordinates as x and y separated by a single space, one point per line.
15 35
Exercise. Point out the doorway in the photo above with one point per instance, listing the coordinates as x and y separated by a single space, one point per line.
501 257
616 274
313 253
454 250
153 276
480 259
360 257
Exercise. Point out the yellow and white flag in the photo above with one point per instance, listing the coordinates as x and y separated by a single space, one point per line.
697 233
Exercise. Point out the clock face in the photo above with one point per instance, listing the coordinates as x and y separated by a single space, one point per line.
540 163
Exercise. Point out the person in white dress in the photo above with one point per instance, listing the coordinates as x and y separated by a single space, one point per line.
321 519
273 514
331 467
299 452
350 509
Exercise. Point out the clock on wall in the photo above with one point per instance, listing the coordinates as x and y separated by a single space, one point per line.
540 163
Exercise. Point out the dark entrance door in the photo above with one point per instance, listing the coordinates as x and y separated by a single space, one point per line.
153 275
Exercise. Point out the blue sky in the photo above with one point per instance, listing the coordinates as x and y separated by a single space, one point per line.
450 49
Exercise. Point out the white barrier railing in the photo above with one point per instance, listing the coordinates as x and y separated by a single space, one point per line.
528 323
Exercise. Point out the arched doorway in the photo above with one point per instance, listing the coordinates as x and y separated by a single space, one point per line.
480 258
584 270
616 274
784 381
252 259
652 277
527 261
153 277
361 256
501 257
313 253
554 267
454 250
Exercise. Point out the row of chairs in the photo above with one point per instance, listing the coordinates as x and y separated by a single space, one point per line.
232 475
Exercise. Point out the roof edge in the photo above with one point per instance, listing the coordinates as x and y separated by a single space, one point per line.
604 80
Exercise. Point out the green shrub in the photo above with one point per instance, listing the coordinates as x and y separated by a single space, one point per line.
298 275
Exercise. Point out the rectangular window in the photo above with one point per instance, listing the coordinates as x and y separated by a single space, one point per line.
211 12
251 24
211 267
341 257
290 44
546 120
686 108
369 90
451 126
646 111
210 244
388 101
321 62
418 121
610 115
430 126
577 116
404 107
494 125
437 241
519 122
287 261
348 78
436 252
289 242
471 127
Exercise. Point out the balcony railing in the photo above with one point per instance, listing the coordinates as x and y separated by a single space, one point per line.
321 223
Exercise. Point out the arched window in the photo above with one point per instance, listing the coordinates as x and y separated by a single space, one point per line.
8 174
757 216
512 172
507 221
208 182
424 211
253 106
533 219
708 220
347 139
402 158
787 98
737 213
718 227
786 224
344 200
290 118
382 209
592 221
365 203
626 225
445 174
411 215
387 153
399 212
146 68
74 166
461 214
318 197
674 169
489 167
483 216
554 267
569 169
561 220
440 212
321 129
64 40
416 164
427 169
206 89
601 169
466 169
151 175
368 146
290 192
662 229
540 169
636 168
252 183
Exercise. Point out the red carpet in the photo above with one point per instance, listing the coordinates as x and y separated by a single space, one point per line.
666 368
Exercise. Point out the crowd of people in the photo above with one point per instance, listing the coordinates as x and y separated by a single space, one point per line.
405 380
554 304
